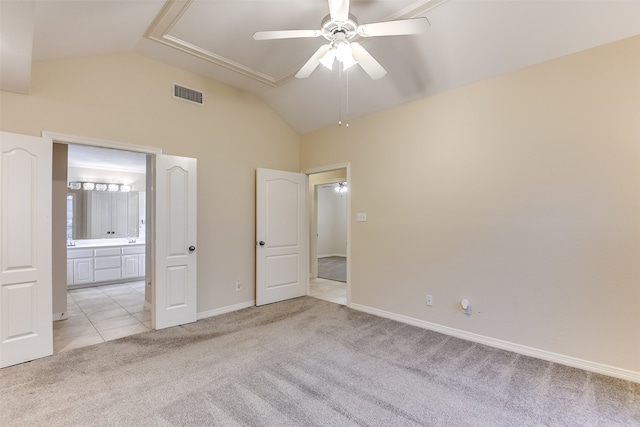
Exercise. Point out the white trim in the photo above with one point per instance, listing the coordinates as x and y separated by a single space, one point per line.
330 255
60 316
587 365
227 309
329 168
73 139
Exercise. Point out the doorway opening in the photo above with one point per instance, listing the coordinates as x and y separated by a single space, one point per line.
102 287
329 233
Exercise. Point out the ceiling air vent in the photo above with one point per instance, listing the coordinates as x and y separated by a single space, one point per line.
188 94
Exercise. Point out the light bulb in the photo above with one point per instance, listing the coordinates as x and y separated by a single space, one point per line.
343 51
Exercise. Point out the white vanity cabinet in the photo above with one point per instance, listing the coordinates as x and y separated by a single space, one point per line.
109 214
108 264
132 259
80 266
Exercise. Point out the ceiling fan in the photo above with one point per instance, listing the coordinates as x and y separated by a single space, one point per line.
340 28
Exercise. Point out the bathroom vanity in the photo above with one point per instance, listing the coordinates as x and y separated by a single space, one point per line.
103 261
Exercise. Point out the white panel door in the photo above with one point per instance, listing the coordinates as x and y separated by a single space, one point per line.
175 242
281 231
26 321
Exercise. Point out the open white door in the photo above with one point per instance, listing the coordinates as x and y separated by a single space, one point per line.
281 232
26 320
175 277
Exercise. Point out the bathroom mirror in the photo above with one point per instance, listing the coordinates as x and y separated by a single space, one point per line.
100 215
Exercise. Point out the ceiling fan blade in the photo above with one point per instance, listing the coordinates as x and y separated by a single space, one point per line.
394 28
367 62
313 62
285 34
339 10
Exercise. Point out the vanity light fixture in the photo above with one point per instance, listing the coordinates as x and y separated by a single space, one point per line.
98 186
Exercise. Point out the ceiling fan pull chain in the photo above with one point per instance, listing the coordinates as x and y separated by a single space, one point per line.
340 70
347 98
339 95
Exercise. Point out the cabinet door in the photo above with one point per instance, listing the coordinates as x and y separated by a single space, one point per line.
82 271
142 266
70 272
119 209
129 266
100 215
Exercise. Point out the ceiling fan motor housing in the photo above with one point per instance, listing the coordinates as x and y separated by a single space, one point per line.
331 27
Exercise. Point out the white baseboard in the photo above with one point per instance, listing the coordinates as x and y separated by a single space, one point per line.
227 309
60 316
574 362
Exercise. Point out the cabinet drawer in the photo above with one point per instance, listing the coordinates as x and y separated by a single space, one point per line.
107 262
79 253
107 274
131 250
108 251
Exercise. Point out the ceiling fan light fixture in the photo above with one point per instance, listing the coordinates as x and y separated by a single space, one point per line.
343 51
328 58
348 63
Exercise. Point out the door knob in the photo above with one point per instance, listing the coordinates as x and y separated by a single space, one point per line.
261 243
192 248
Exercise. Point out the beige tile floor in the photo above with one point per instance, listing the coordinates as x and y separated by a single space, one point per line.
100 314
328 290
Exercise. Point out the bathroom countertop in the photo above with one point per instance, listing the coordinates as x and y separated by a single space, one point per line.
102 243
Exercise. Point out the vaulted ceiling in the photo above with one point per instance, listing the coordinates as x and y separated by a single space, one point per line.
467 40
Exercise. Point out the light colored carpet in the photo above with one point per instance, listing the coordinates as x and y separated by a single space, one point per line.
306 362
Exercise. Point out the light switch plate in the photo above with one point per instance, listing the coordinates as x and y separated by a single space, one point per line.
361 217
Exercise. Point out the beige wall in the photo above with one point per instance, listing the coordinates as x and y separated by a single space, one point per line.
127 98
520 193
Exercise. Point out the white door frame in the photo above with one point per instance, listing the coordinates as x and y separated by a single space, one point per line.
312 250
143 149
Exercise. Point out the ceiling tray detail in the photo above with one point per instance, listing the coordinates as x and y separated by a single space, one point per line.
160 29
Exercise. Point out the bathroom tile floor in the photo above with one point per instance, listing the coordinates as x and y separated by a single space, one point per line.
328 290
100 314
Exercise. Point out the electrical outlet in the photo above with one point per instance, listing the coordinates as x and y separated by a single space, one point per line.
238 286
429 300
